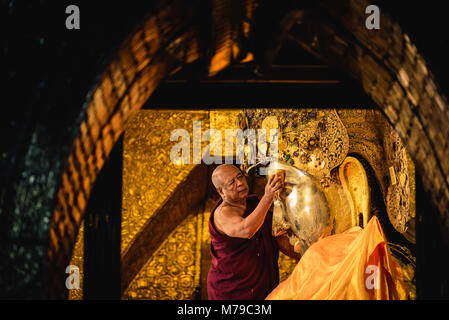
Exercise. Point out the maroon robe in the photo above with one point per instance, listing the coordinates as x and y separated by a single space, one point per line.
243 269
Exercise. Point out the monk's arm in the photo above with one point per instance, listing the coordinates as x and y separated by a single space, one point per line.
286 248
236 226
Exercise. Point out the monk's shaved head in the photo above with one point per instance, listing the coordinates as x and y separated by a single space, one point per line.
220 172
230 182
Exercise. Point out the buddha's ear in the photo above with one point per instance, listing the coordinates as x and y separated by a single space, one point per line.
355 184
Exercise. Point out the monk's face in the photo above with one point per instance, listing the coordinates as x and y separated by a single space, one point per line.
233 184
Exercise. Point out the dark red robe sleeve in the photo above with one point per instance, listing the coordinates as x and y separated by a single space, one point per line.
243 269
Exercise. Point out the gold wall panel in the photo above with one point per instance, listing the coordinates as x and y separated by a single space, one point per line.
173 272
223 119
206 258
286 266
188 195
149 177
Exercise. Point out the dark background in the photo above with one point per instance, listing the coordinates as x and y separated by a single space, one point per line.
48 70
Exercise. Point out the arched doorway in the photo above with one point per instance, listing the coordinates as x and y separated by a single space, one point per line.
168 40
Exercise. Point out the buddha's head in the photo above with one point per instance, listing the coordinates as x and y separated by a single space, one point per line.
301 207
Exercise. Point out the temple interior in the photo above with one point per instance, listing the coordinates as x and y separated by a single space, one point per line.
363 112
175 264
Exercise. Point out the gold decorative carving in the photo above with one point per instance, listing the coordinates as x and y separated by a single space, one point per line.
78 260
286 266
372 137
149 177
313 140
206 258
173 272
226 119
398 199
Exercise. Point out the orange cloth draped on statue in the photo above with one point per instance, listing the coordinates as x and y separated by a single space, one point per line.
352 265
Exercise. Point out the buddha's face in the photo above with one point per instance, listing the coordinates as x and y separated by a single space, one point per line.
300 206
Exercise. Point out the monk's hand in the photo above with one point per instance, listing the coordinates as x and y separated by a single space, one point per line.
273 185
293 250
294 241
286 229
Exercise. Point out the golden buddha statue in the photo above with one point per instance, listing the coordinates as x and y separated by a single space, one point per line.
327 191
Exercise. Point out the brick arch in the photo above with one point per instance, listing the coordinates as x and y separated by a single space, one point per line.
160 45
391 71
169 39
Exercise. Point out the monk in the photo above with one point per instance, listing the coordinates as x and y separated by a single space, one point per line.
244 251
